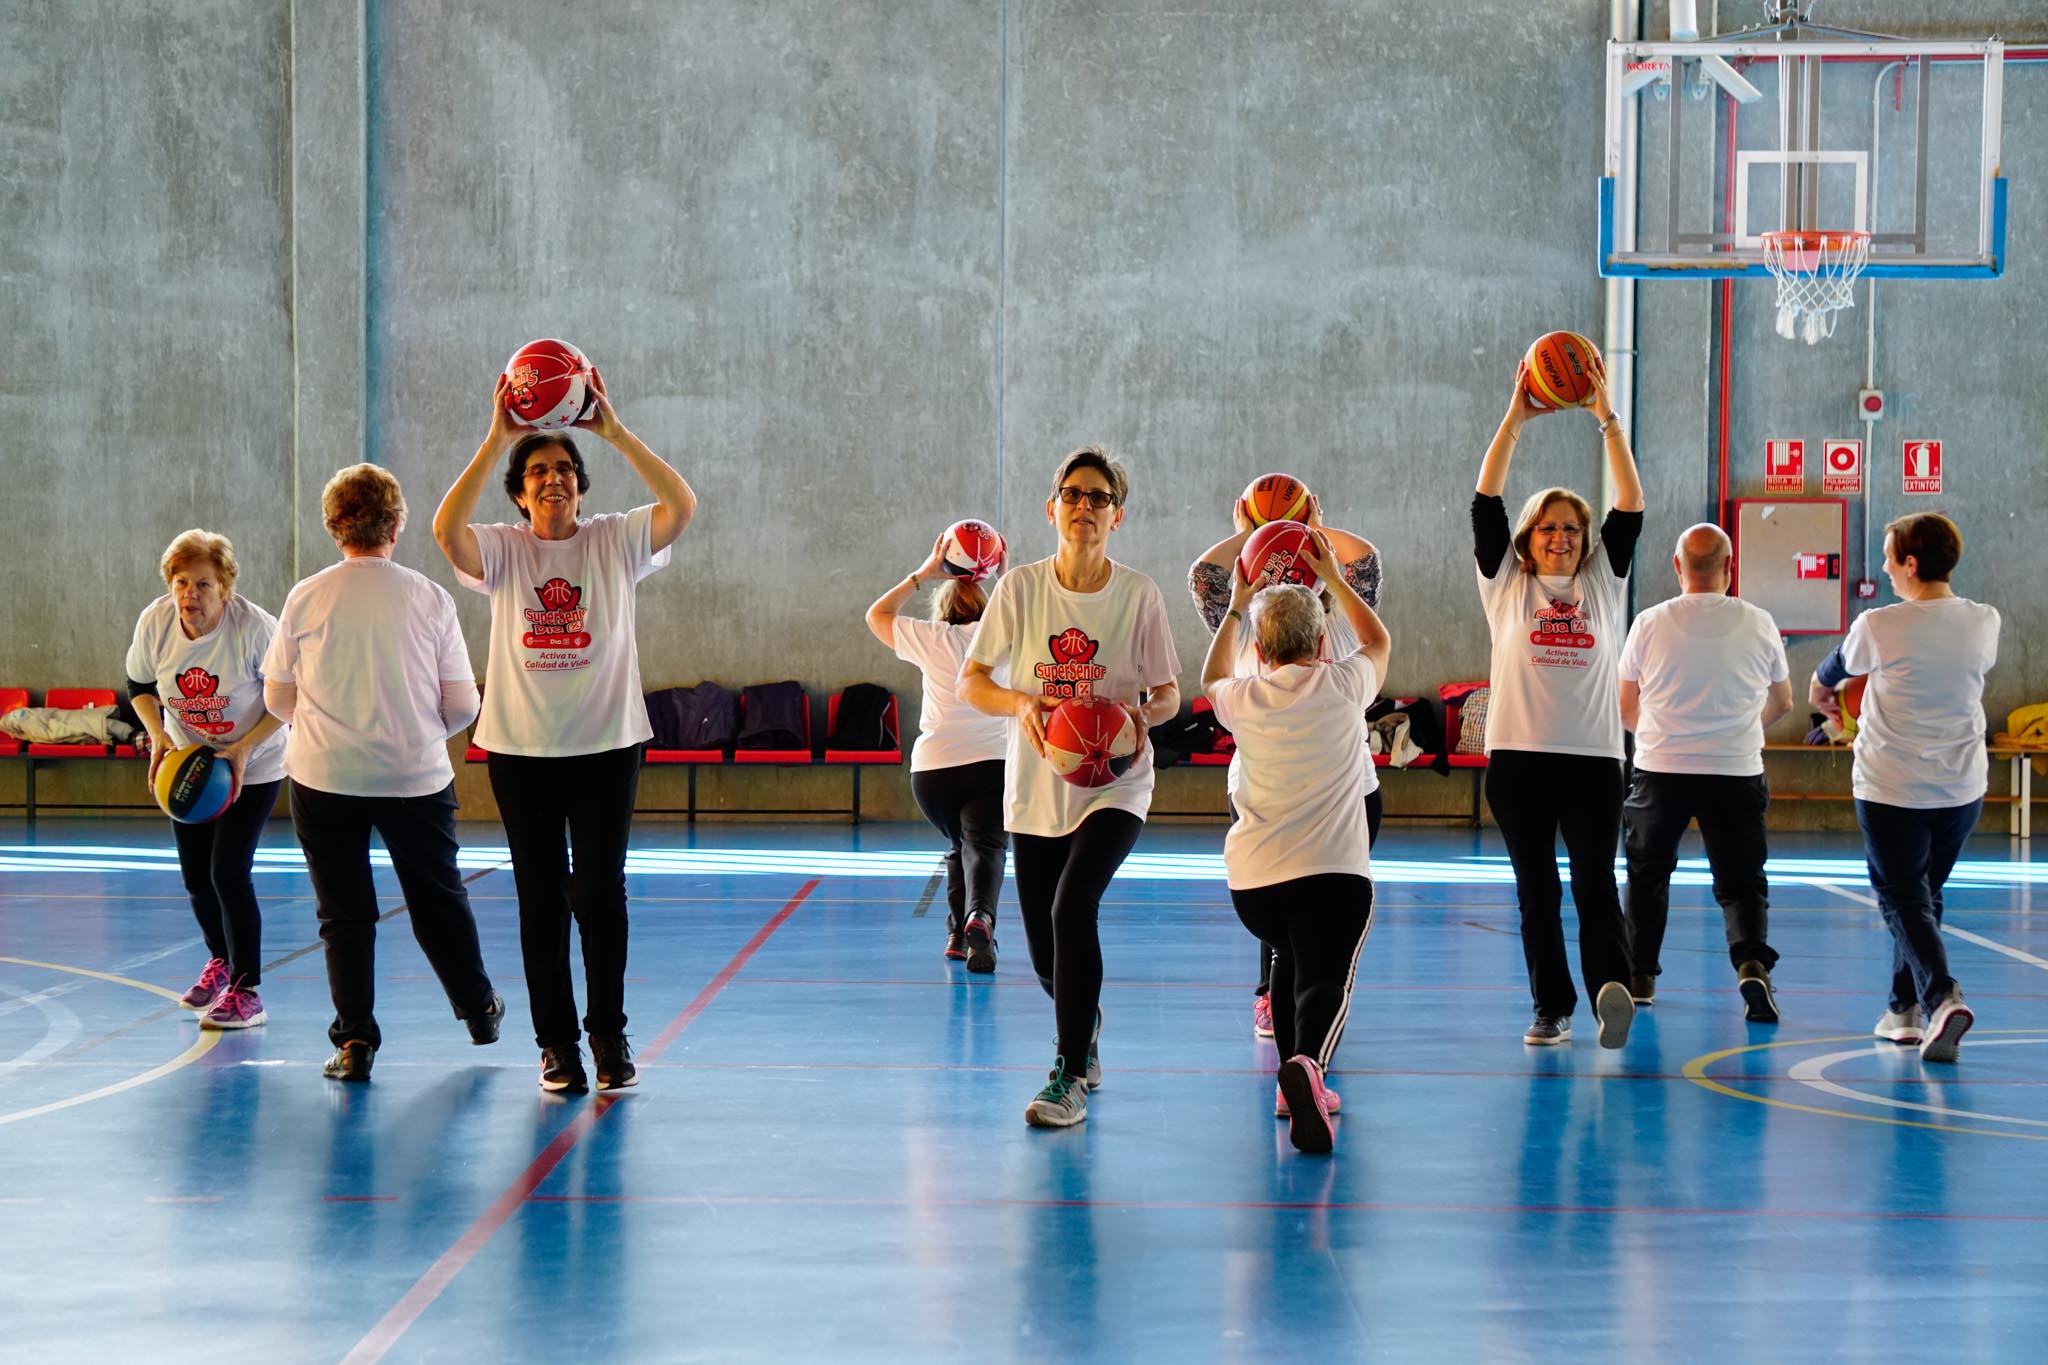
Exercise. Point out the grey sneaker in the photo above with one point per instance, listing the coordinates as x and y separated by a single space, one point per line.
1064 1101
1900 1026
1616 1012
1759 1001
484 1025
1952 1019
1548 1031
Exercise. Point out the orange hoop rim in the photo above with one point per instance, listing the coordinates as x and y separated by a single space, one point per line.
1828 240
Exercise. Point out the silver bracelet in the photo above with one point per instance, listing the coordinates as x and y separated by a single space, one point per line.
1613 421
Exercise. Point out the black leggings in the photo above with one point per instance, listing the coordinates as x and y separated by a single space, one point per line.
965 804
1060 881
547 805
215 859
1316 927
1535 797
1375 808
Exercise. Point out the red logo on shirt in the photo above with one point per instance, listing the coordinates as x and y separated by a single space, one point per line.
559 622
1071 674
1562 626
200 709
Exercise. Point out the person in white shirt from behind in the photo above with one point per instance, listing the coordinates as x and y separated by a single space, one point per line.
1296 857
1921 765
369 665
1702 677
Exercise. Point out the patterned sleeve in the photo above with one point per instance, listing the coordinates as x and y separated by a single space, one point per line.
1364 577
1210 586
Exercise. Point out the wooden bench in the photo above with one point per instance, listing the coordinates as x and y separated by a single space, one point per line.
2019 794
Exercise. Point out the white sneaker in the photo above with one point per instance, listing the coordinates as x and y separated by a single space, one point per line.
1952 1019
1900 1026
1064 1101
1615 1011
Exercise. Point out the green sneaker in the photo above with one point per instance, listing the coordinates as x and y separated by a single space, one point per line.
1063 1103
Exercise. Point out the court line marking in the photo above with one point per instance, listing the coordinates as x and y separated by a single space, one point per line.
381 1338
60 1026
201 1045
2017 954
1813 1073
1695 1071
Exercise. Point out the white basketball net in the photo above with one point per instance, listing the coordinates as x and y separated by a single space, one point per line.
1816 274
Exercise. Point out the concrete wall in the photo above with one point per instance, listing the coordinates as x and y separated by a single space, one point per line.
859 268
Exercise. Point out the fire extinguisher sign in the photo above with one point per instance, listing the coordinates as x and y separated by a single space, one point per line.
1922 467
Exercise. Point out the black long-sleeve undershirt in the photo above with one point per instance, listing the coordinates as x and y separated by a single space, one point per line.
1492 537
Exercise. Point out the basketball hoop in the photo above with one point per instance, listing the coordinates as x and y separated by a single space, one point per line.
1816 274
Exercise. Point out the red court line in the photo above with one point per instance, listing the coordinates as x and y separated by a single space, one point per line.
1280 1206
382 1337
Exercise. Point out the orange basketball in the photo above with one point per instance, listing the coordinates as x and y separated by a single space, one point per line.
1274 497
1561 370
1850 695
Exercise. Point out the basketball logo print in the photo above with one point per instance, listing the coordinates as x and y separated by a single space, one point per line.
524 377
558 594
1562 626
1072 646
199 706
197 682
557 626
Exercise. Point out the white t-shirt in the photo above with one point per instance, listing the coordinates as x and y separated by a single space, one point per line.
1920 739
210 689
1112 643
950 733
1703 663
563 674
1338 641
369 643
1556 642
1298 780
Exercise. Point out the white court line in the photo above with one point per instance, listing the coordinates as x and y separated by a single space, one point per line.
1810 1073
60 1028
124 968
2018 955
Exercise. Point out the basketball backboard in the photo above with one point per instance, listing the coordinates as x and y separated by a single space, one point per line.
1714 142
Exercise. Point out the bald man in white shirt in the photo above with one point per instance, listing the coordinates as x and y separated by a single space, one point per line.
1702 676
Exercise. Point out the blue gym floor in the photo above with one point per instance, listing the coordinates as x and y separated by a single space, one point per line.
826 1159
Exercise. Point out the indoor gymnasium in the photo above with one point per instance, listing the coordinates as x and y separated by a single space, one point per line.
1054 680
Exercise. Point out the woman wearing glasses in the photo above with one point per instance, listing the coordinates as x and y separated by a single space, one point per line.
1077 624
1555 604
563 718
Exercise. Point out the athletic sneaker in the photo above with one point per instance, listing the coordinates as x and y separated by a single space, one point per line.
613 1061
1642 989
1331 1101
350 1062
1615 1011
483 1028
1952 1019
1900 1026
561 1068
1094 1072
981 943
1548 1031
1262 1017
236 1008
956 945
209 987
1308 1111
1760 1002
1064 1101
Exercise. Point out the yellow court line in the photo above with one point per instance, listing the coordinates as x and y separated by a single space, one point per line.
1696 1072
201 1045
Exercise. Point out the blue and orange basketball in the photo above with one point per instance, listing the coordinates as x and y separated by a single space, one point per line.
551 386
1090 742
193 784
1274 497
972 550
1275 554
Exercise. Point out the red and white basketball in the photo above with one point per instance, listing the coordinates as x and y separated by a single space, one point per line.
1274 497
1090 742
550 384
972 550
1560 370
1275 554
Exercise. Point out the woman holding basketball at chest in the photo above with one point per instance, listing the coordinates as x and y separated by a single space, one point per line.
1555 605
1075 625
563 717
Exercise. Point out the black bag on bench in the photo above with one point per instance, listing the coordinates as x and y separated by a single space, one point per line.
701 717
862 721
774 716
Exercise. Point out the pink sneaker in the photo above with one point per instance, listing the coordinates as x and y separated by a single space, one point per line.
1308 1106
1332 1101
208 987
234 1009
1262 1017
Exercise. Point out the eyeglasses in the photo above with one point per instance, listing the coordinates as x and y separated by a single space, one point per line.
1095 498
540 471
1566 532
